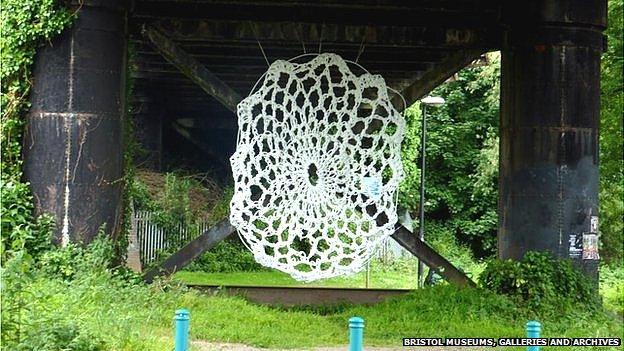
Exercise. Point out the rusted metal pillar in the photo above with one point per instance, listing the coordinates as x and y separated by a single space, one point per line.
73 143
550 106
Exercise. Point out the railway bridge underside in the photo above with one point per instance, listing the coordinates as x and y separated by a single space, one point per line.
190 62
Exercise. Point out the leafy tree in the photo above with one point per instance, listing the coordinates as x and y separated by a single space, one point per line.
462 153
611 140
462 158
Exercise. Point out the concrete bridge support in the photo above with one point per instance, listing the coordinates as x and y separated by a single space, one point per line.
550 94
73 143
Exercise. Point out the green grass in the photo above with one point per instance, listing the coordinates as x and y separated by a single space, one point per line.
379 278
402 277
138 317
399 274
134 316
612 288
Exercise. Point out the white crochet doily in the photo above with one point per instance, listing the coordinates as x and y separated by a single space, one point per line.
316 168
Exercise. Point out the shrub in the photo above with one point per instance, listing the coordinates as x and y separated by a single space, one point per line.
54 335
228 256
540 282
31 316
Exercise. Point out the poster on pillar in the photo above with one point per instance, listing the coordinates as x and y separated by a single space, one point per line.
590 240
590 246
575 249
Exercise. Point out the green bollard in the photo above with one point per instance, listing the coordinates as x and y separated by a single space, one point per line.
182 326
533 329
356 333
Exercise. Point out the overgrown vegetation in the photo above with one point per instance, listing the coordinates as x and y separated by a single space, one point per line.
179 198
612 139
541 283
25 26
228 256
462 159
97 307
612 288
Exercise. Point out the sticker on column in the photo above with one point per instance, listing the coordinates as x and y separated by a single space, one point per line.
371 186
576 246
590 246
593 224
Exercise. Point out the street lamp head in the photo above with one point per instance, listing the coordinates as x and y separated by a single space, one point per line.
432 101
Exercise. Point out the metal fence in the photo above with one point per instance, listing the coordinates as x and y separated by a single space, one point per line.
153 239
391 250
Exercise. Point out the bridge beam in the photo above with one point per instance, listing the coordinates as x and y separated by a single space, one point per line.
550 108
193 69
206 241
223 229
436 76
430 257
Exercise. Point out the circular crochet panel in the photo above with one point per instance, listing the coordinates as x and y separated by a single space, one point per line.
316 168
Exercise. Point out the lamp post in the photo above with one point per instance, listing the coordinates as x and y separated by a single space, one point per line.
433 101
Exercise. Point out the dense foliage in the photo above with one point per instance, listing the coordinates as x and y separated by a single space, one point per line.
25 26
462 154
540 282
32 316
462 159
229 255
612 139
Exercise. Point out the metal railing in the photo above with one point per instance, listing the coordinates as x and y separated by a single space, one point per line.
153 239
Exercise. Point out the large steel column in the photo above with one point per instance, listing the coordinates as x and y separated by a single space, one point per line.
73 143
550 94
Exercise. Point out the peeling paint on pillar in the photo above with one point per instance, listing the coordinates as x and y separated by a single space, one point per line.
73 144
550 108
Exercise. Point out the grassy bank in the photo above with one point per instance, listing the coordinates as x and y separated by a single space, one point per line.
379 277
123 316
611 281
612 288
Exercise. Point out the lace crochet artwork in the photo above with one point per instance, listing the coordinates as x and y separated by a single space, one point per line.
316 168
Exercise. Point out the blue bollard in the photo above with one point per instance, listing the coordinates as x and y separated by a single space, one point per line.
533 329
356 333
182 321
